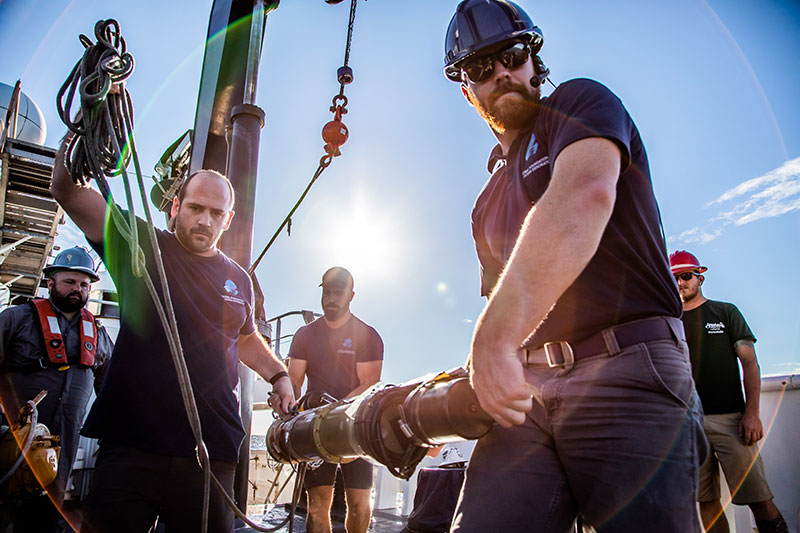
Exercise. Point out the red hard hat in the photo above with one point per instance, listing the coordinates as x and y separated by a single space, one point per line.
683 261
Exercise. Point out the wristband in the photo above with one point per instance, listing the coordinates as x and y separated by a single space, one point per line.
279 375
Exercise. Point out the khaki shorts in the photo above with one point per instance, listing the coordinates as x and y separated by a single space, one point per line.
742 465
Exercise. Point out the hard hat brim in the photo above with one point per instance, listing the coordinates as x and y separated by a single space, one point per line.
50 270
680 269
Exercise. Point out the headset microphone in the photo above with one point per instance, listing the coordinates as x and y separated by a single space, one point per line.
535 81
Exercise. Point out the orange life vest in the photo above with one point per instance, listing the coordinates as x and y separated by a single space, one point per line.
53 341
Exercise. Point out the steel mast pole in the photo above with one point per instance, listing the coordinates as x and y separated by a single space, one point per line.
226 138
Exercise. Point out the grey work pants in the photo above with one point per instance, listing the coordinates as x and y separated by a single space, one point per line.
617 438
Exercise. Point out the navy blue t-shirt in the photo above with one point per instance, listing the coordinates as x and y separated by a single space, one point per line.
628 278
331 354
140 403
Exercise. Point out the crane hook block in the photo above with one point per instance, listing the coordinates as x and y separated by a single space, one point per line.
344 75
334 133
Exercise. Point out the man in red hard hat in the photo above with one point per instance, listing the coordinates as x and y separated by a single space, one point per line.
719 341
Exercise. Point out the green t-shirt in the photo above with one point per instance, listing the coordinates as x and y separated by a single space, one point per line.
711 331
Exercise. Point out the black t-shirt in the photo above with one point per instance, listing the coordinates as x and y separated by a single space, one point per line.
628 278
331 354
140 403
711 331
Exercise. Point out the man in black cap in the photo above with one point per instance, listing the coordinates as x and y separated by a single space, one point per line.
54 344
579 354
342 357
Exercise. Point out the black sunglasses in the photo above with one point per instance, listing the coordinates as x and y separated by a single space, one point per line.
686 276
482 67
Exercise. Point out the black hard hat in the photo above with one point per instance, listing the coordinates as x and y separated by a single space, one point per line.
479 24
76 259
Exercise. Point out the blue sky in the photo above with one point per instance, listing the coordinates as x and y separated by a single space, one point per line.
711 85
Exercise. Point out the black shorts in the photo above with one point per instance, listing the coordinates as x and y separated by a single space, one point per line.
356 475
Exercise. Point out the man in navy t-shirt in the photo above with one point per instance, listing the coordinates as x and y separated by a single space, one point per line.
342 357
147 467
579 354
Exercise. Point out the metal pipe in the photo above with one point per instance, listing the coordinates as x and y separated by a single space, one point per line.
12 280
15 102
779 383
10 246
278 338
237 243
254 52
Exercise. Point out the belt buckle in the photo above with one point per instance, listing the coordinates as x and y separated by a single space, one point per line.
562 347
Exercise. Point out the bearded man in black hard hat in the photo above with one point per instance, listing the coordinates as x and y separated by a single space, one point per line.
579 354
53 344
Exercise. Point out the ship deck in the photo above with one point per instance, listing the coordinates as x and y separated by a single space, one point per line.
383 521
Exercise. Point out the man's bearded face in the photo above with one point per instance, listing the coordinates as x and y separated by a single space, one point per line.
69 291
510 106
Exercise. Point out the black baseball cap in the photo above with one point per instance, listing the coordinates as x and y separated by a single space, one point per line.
337 276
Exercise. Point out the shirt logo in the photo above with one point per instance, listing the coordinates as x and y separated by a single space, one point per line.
713 328
533 167
231 288
348 343
533 147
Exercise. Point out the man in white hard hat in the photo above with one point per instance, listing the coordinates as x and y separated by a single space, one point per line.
719 341
53 344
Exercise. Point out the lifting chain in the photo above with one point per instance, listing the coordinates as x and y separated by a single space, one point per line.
334 133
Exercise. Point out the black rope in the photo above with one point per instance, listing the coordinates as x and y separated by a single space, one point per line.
92 153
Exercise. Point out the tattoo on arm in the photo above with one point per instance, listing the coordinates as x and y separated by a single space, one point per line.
743 342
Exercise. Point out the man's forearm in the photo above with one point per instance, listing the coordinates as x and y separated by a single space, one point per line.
255 353
751 377
84 205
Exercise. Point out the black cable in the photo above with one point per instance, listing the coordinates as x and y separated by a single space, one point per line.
323 164
92 153
350 25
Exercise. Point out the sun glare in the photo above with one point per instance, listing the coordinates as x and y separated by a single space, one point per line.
363 239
